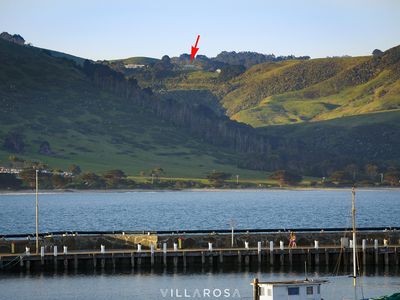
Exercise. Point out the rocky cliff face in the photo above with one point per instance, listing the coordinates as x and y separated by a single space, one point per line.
14 38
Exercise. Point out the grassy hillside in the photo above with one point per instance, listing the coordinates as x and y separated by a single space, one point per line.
316 90
326 146
46 98
136 60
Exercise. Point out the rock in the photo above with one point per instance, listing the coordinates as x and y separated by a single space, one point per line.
15 38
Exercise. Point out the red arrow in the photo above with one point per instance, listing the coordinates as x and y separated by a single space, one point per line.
194 49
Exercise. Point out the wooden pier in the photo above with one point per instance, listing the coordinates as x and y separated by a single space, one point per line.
209 257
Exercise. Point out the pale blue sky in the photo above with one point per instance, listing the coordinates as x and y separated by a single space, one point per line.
100 29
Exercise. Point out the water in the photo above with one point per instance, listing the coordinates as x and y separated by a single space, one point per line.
189 210
142 286
197 210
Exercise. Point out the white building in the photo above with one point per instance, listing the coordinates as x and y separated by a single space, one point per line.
294 290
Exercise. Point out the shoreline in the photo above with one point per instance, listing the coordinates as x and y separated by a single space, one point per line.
55 191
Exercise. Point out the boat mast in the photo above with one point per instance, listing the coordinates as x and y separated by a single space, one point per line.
37 212
353 210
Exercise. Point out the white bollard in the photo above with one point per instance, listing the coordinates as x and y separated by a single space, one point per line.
375 244
271 246
281 245
259 247
65 249
103 249
246 245
175 247
316 244
42 251
210 247
152 249
139 248
27 251
364 244
164 247
351 243
55 251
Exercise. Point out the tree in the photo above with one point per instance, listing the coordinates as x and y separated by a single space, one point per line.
75 169
9 181
91 180
393 177
59 181
157 172
285 177
28 177
341 177
114 178
14 142
352 169
218 178
371 171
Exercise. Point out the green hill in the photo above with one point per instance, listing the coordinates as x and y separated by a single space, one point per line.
332 113
314 90
85 120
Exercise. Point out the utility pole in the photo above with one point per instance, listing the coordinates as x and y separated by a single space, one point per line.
353 210
37 211
232 223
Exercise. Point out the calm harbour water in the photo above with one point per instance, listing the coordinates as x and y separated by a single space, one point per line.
189 210
197 210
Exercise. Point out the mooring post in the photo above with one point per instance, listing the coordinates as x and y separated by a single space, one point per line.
65 252
76 262
290 257
259 252
364 251
386 256
113 260
184 259
152 255
376 249
12 248
326 257
21 261
94 261
239 257
308 257
132 260
42 255
203 258
28 261
165 254
247 259
316 256
103 263
271 253
396 257
221 257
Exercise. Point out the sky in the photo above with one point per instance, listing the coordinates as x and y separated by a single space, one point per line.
100 29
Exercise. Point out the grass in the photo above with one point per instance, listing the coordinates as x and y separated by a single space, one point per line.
45 98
